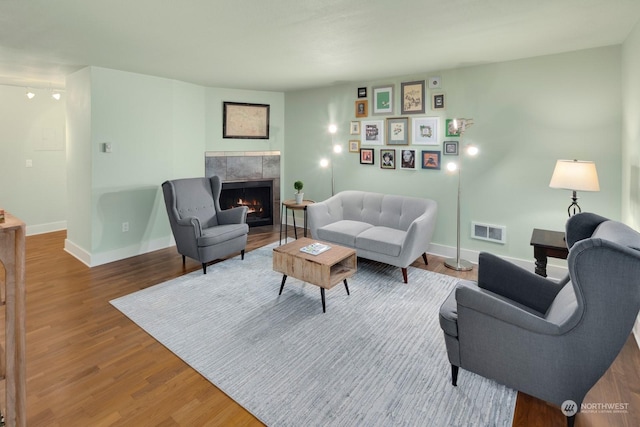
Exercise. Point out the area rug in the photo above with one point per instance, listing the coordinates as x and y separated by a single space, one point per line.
375 358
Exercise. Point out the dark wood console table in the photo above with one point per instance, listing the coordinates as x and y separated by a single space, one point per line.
547 243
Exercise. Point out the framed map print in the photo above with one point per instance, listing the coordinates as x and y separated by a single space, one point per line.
245 121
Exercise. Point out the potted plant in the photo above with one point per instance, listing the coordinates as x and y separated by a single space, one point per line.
298 195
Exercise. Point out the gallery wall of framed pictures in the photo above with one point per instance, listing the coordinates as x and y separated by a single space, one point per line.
412 140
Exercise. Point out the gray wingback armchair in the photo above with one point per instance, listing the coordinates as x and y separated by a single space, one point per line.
201 229
551 340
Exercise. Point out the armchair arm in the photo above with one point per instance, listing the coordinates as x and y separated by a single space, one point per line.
192 223
515 283
497 307
237 215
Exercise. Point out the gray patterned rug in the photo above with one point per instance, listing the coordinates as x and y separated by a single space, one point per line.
376 358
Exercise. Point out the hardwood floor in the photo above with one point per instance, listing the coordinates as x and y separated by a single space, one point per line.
89 365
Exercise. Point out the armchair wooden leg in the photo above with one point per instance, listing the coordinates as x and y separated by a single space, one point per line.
204 268
454 375
424 257
242 254
404 275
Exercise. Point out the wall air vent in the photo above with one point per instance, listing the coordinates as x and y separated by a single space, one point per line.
492 233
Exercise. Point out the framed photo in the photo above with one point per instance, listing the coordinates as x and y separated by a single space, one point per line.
452 130
362 92
367 156
245 121
354 128
383 100
431 160
425 130
437 101
354 146
387 159
450 148
372 132
407 159
398 131
413 97
362 108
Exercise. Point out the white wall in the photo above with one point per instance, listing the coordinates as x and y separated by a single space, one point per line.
33 129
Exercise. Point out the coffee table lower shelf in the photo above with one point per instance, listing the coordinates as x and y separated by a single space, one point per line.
324 270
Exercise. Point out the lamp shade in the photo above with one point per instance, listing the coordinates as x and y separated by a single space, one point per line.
576 175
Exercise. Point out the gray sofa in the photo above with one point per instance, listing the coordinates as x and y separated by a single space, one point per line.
386 228
549 340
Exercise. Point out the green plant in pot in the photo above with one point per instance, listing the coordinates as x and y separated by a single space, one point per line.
299 194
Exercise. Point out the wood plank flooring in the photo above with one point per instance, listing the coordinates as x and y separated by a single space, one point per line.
89 365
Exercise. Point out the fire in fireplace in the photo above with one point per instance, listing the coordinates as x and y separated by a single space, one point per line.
255 195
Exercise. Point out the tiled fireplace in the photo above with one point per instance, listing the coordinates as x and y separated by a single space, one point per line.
250 172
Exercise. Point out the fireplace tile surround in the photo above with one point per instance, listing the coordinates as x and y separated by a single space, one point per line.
237 166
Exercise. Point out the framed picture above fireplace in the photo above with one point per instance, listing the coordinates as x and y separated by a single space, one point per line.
245 121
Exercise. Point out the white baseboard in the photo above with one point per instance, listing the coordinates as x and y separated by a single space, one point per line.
553 272
46 228
94 260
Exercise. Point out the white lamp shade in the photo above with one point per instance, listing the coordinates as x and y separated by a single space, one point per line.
576 175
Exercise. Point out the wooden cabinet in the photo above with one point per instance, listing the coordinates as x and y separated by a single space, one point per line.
12 354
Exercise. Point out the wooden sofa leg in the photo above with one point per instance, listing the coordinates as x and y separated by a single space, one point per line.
424 257
404 274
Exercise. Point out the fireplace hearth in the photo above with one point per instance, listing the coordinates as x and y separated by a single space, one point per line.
257 196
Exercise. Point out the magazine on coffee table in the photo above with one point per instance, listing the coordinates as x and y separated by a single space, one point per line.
315 248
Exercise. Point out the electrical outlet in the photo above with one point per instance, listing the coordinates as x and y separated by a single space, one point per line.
125 227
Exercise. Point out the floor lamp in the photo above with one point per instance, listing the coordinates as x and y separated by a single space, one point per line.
458 263
337 149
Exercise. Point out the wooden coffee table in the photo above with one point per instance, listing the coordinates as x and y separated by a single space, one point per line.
324 270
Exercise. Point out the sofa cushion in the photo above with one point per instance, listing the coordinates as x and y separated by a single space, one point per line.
383 240
342 232
222 233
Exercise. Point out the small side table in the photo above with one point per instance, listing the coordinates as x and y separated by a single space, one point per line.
547 243
291 204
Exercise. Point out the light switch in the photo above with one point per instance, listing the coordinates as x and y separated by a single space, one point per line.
29 163
106 147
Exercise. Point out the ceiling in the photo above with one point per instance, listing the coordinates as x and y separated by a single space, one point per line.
284 45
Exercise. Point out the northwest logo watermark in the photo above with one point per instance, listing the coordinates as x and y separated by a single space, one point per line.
570 408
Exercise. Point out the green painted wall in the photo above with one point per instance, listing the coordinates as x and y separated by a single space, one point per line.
527 113
158 129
